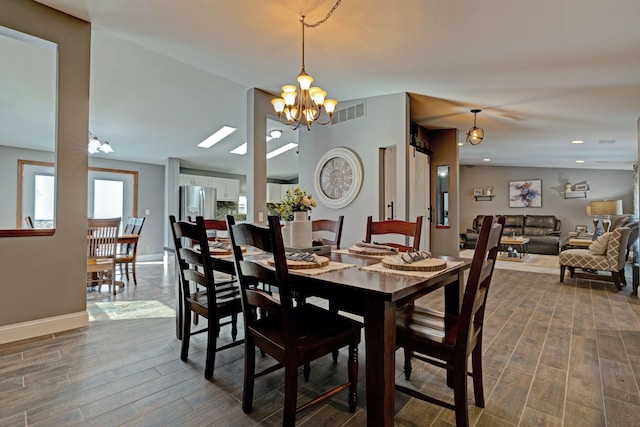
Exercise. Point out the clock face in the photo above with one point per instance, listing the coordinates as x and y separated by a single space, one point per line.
338 178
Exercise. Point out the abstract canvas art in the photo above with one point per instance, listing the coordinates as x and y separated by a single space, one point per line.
525 194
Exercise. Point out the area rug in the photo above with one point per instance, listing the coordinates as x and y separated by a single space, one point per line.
534 263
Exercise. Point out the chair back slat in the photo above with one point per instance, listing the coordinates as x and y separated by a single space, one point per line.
101 237
328 230
397 227
251 273
476 291
193 258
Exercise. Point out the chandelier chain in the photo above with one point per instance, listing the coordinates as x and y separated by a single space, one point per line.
322 21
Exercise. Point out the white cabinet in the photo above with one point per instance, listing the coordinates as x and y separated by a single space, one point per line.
228 190
200 180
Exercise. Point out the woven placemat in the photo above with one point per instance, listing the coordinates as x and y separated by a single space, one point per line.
428 264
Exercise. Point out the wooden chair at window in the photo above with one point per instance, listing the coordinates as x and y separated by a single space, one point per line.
128 252
324 228
293 335
397 227
218 302
102 235
447 341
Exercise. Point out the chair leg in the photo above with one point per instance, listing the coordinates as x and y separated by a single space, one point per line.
133 272
334 309
616 279
623 278
476 365
407 364
290 395
234 326
249 373
562 269
352 366
126 270
186 333
213 330
460 396
306 371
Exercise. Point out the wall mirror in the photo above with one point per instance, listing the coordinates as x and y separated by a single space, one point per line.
282 162
442 195
28 123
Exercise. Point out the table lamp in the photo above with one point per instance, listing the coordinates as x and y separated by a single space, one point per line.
606 208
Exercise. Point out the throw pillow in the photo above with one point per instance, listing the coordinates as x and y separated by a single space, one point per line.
599 246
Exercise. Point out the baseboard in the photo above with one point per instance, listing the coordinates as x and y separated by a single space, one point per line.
40 327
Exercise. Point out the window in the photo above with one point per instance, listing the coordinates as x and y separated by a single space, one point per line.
44 197
108 199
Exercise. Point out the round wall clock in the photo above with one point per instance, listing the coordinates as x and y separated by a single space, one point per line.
338 178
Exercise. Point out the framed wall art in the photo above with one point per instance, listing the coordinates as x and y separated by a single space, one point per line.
525 194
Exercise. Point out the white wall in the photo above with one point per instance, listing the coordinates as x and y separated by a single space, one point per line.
603 184
385 124
150 196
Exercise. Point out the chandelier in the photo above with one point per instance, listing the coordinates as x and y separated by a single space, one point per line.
475 135
95 145
305 105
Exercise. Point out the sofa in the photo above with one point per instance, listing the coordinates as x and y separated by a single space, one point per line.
543 232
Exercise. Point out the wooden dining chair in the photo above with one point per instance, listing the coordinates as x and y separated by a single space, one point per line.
102 235
447 341
395 227
328 231
294 335
128 252
218 302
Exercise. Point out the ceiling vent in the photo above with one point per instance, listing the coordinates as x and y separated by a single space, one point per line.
607 141
349 113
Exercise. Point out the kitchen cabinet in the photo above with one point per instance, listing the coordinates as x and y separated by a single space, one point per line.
228 190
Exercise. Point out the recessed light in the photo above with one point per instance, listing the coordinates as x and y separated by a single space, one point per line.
577 141
579 161
218 136
241 150
281 150
486 159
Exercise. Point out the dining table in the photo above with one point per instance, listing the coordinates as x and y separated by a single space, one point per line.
375 296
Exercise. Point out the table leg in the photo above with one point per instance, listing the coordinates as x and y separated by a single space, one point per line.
380 342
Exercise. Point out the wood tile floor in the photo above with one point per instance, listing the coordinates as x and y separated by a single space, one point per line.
555 355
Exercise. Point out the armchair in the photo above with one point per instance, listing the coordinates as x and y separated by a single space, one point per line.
610 259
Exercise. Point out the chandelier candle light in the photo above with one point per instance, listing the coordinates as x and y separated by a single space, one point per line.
306 106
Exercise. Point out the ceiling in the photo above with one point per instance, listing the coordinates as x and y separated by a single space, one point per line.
166 74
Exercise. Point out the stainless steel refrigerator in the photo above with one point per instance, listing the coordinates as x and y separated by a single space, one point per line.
196 200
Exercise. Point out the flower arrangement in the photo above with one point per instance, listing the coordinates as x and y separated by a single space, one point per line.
295 200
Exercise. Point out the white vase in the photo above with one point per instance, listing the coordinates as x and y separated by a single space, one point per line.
286 233
300 230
